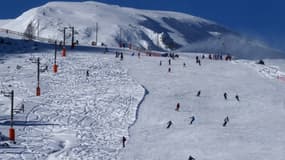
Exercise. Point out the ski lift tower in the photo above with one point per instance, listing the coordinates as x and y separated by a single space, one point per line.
63 48
11 130
72 38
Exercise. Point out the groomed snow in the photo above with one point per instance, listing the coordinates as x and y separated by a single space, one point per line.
256 127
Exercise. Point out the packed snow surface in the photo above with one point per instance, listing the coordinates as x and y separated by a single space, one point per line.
80 117
76 117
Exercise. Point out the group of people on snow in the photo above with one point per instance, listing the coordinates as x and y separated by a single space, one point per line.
120 54
192 118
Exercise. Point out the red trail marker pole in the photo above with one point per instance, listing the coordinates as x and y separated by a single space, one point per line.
55 66
12 130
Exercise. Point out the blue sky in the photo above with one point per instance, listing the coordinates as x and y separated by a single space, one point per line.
264 19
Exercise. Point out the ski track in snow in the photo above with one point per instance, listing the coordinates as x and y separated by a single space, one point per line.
76 117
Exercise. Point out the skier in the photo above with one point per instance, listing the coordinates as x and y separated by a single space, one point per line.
199 62
225 96
197 59
87 73
106 50
192 119
139 55
191 158
203 56
226 120
169 123
160 63
210 56
124 141
122 56
237 97
169 69
177 107
184 64
198 94
169 62
22 108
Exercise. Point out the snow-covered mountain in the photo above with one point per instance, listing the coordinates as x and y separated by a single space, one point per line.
4 22
156 30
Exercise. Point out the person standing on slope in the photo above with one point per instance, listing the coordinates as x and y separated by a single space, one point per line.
87 73
122 56
197 59
124 139
169 61
225 96
177 107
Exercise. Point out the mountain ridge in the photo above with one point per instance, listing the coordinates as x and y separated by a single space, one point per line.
145 29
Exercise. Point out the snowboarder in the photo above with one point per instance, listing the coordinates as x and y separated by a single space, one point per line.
225 96
160 63
169 123
169 62
177 107
237 97
226 120
192 119
191 158
198 94
124 141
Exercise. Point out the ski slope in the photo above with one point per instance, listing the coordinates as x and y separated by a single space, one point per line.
256 127
76 117
79 117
